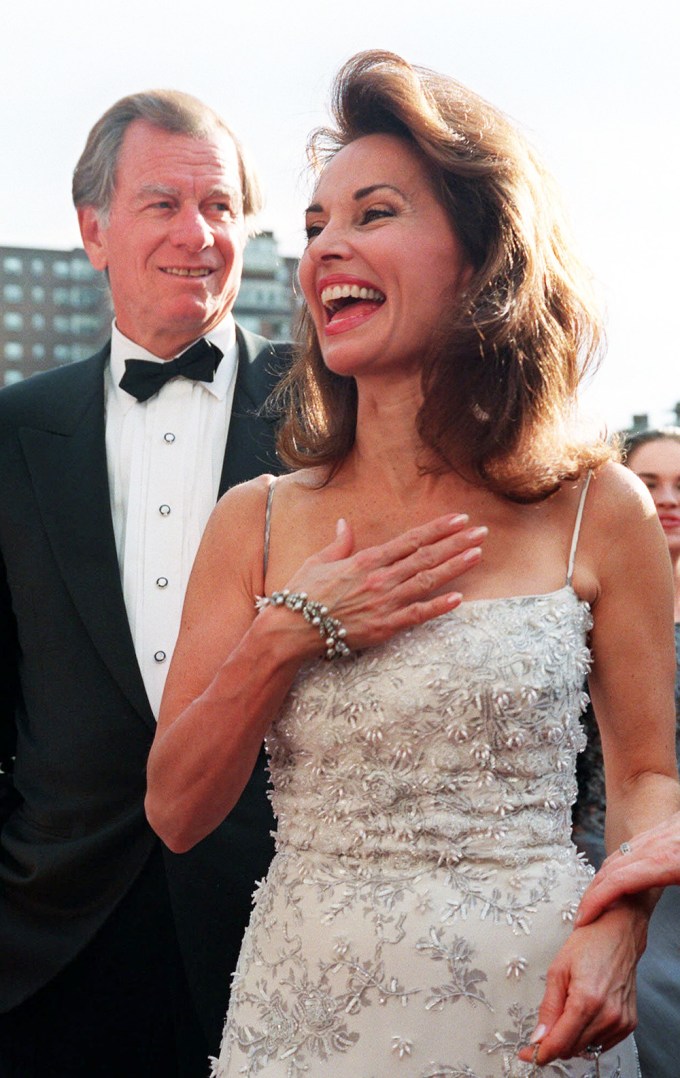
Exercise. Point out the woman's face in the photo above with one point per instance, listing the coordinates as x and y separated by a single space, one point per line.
658 465
381 260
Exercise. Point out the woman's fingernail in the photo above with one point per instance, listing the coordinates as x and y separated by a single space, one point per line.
478 533
453 597
538 1034
341 526
473 553
459 518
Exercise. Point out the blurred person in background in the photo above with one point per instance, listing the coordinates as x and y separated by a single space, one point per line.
654 455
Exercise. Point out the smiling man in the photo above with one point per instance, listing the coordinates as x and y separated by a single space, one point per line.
115 955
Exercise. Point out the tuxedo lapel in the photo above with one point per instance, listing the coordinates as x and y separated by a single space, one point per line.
250 443
67 464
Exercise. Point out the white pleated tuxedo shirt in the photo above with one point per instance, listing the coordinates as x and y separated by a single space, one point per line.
165 458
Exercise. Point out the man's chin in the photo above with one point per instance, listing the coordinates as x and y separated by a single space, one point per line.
201 314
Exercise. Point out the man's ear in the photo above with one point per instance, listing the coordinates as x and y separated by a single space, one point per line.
93 236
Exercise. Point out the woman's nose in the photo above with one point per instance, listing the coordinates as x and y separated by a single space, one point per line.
667 494
332 243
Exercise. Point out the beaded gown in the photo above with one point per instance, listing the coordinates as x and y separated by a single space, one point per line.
424 877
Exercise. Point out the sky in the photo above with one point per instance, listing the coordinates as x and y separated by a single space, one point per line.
594 84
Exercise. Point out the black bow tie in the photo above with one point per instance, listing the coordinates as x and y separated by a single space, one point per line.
143 377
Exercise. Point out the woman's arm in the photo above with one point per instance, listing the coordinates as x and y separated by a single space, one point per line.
590 994
232 669
652 860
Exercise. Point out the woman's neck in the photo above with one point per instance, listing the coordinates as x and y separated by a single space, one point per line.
387 448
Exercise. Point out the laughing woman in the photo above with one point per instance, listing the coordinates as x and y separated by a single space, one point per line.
447 543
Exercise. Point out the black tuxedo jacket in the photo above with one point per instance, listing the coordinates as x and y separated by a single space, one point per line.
72 702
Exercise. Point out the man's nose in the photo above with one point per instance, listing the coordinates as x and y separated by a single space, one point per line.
190 228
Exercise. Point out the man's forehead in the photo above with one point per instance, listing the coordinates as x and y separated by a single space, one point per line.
143 141
152 157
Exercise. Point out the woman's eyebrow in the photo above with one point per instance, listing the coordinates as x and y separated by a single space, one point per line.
362 192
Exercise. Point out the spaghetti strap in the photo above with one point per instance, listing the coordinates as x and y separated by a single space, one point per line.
577 527
267 530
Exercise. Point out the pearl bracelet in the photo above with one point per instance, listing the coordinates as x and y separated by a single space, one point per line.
330 629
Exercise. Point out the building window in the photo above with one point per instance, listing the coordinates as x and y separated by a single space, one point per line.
77 324
37 267
83 297
69 353
13 293
11 377
60 268
38 321
80 351
38 293
260 255
84 323
11 264
38 351
12 320
14 350
81 270
80 296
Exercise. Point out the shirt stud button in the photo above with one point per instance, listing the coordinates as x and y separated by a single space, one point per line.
162 582
164 510
160 656
169 437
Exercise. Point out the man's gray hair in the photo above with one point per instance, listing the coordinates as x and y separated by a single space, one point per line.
94 178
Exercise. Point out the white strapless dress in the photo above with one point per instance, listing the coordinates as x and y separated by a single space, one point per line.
425 877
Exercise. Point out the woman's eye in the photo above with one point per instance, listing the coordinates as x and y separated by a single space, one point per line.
374 214
313 230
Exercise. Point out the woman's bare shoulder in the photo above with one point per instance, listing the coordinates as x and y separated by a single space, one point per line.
250 497
617 494
237 524
623 539
234 534
245 496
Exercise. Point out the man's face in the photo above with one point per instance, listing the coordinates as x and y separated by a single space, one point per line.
173 243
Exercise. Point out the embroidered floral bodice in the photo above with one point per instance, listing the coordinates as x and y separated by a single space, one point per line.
425 876
455 741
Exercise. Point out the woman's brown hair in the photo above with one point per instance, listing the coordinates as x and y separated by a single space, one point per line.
501 372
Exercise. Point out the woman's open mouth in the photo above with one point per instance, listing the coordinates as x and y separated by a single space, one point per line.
346 305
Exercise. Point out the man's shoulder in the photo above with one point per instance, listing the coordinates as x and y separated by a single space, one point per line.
66 387
260 350
261 363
